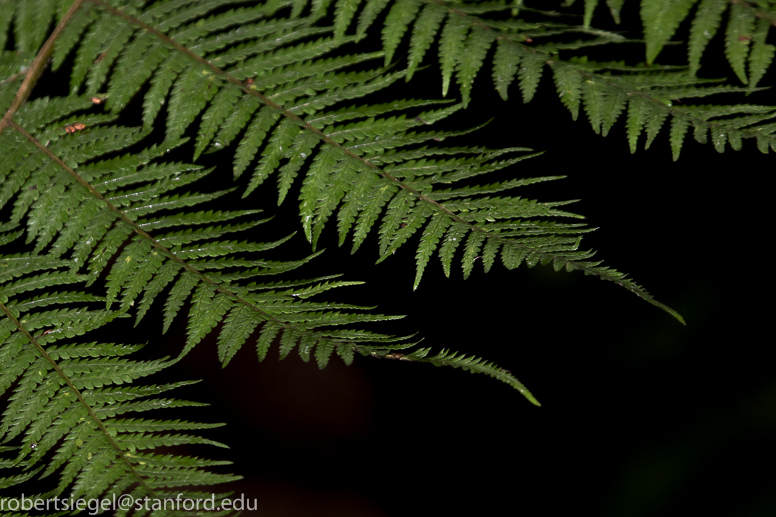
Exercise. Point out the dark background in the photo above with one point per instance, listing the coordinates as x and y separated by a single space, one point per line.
641 416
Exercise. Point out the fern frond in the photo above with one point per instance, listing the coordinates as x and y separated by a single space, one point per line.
456 360
353 141
332 181
524 49
347 153
145 264
59 394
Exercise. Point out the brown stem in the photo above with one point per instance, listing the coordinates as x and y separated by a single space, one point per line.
36 68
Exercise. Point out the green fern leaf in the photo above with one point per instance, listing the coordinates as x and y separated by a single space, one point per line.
368 15
214 117
531 67
762 53
423 33
207 310
471 250
615 6
303 146
161 83
268 333
738 38
288 340
344 10
411 222
282 138
568 83
53 400
477 45
189 97
654 123
32 20
397 212
594 103
128 262
314 184
505 65
614 104
6 16
238 325
178 295
704 26
399 17
638 112
661 19
70 35
447 358
111 40
451 45
450 243
679 127
254 137
590 6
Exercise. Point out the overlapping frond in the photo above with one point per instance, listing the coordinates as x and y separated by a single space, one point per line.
94 212
122 217
62 403
70 410
346 148
374 172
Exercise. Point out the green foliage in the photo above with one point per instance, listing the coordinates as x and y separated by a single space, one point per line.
282 91
604 89
748 24
65 400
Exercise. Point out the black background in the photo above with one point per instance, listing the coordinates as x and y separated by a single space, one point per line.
641 416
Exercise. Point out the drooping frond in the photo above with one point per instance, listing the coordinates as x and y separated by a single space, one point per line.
343 148
122 217
65 405
95 221
456 360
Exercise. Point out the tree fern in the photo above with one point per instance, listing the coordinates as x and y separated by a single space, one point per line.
284 91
